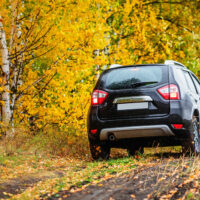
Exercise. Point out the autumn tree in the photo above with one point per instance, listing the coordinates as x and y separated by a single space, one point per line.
153 31
51 52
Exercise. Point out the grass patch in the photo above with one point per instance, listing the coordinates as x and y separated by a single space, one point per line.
80 175
73 162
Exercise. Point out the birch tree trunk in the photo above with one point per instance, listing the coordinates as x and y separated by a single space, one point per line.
6 112
14 68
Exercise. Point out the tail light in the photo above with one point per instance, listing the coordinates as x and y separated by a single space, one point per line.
93 131
169 92
177 126
98 97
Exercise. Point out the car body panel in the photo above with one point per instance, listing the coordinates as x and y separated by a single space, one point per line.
180 111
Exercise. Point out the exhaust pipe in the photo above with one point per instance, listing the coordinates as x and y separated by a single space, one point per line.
111 137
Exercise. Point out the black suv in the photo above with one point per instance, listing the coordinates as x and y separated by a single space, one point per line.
139 106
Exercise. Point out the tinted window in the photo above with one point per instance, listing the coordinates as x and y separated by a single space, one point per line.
196 82
181 78
190 82
122 78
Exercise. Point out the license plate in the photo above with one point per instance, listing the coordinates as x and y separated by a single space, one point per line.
132 106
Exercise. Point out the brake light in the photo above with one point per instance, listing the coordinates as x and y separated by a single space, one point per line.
98 97
169 92
177 126
93 131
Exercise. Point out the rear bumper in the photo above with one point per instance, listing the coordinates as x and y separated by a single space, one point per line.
136 132
145 128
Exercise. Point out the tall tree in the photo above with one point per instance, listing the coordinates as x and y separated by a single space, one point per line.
6 112
49 51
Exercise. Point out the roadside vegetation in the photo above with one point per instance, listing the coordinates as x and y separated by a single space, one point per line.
30 171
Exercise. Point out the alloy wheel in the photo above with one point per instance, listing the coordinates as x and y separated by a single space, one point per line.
196 136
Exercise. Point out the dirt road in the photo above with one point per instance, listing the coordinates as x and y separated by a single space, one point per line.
170 177
165 179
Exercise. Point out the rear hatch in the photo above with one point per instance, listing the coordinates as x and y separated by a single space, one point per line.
132 92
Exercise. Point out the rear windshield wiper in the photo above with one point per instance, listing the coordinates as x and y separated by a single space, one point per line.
138 84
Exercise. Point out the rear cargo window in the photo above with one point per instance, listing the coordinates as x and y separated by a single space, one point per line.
128 77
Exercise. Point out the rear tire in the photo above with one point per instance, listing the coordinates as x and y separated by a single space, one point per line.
135 151
192 145
99 152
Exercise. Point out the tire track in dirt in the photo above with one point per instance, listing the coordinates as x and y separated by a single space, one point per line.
163 179
18 185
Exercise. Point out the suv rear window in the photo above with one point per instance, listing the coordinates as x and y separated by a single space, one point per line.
125 78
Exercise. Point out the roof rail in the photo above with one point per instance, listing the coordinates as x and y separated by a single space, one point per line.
172 62
114 66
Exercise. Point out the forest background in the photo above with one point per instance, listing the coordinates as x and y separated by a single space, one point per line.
52 51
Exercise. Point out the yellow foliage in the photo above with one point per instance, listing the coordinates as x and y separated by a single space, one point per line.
58 45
